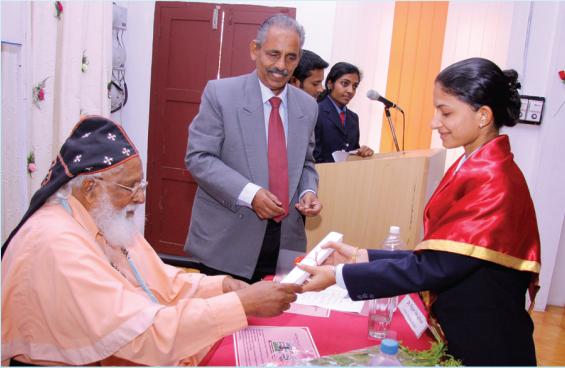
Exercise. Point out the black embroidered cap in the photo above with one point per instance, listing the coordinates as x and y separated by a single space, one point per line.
96 144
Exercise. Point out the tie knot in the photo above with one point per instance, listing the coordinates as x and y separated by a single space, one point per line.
275 102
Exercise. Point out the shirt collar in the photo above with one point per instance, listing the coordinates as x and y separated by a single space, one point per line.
339 109
266 93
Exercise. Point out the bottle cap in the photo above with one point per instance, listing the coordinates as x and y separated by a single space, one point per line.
389 346
394 230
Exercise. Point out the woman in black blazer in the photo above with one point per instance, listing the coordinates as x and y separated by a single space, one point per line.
337 128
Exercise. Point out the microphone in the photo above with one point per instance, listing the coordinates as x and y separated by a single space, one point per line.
375 96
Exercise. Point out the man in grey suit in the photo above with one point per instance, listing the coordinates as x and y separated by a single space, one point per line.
250 150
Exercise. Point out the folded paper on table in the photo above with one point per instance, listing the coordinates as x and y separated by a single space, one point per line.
261 345
334 297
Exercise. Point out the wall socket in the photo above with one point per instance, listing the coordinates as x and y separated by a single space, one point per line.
531 110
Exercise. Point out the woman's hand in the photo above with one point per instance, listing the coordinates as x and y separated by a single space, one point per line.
365 151
345 253
320 277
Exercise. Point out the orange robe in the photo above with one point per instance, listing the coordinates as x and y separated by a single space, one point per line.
64 303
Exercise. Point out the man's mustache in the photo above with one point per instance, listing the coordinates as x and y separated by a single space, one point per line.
282 72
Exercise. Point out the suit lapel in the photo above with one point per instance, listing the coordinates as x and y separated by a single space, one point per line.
252 127
297 135
332 115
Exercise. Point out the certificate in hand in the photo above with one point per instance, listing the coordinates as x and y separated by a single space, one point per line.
260 345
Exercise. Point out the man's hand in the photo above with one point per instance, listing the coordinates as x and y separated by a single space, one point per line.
267 299
365 151
345 253
309 204
231 284
321 277
266 205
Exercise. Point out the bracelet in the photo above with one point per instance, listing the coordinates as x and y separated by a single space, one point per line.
353 258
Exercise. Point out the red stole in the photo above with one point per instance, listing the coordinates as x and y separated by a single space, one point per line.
485 211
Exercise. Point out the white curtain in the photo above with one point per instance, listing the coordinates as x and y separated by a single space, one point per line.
52 49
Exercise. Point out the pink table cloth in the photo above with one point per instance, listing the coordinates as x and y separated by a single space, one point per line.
339 333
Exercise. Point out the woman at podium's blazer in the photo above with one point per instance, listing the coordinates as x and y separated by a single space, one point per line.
337 128
481 248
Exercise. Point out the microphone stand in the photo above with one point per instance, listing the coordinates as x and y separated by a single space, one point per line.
392 130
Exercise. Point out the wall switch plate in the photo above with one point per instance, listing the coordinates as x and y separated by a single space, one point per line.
531 110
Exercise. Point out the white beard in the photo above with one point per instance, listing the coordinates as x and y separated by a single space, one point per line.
117 228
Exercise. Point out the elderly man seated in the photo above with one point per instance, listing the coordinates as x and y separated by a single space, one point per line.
81 286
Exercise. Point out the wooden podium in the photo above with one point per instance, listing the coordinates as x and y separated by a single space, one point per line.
362 198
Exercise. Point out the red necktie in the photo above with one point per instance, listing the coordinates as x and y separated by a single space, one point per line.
278 161
342 118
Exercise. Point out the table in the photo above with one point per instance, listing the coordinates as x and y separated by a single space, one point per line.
339 333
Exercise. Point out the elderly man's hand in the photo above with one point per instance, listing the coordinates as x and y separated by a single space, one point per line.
309 204
231 284
266 205
267 298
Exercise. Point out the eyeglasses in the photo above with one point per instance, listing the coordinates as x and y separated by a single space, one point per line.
142 185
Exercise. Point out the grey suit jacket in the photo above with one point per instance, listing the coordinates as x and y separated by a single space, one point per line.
227 149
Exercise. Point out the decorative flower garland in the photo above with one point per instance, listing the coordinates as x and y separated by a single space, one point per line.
562 75
31 163
58 9
39 93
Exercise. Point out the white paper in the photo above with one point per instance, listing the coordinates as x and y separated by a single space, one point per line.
413 316
340 156
334 297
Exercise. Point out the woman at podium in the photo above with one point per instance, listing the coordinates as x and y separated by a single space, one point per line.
337 128
481 249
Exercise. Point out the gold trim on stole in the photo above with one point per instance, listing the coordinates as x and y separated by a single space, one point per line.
475 251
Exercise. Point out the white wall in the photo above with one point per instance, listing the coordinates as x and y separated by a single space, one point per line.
544 147
16 138
134 116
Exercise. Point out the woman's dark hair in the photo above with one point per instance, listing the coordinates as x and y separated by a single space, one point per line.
480 82
336 72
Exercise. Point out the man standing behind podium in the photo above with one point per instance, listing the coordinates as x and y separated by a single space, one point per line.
250 150
309 74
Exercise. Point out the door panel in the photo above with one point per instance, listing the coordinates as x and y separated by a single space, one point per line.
185 57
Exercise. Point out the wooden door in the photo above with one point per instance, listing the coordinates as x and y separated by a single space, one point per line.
187 39
185 57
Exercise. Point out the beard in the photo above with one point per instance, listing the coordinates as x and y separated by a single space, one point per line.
116 225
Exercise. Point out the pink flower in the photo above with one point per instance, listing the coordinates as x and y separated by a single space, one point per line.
41 95
58 9
562 75
31 167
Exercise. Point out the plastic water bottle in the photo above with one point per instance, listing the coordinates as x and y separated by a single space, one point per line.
388 356
393 242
